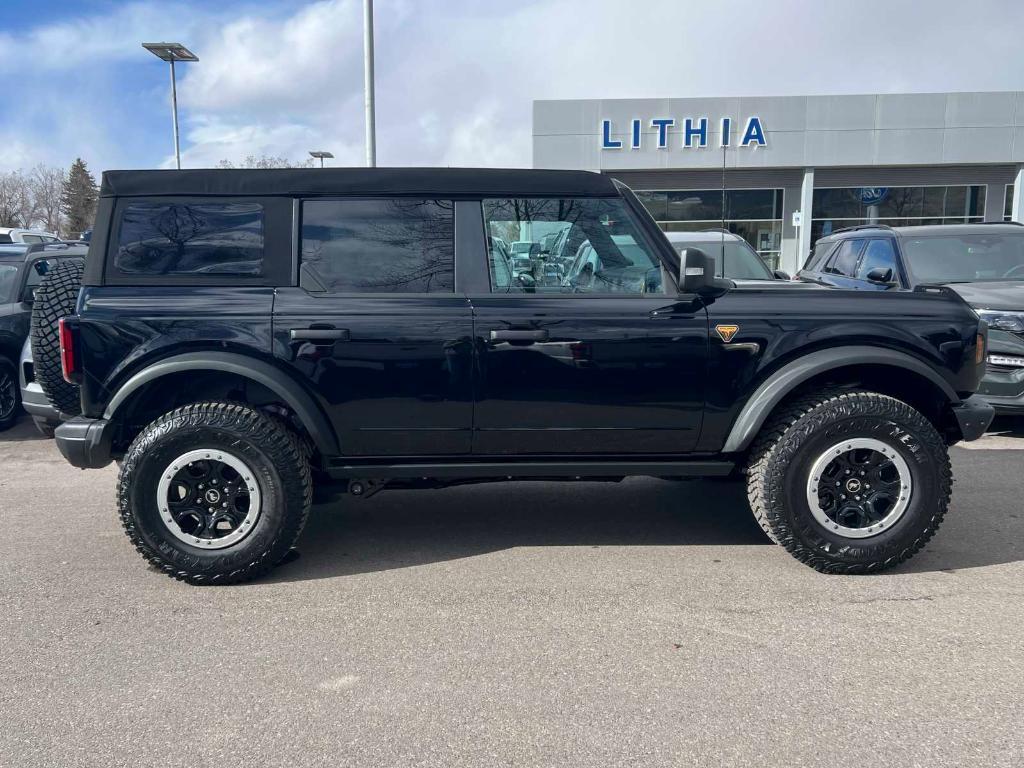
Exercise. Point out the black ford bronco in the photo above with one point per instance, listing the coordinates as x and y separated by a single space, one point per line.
244 335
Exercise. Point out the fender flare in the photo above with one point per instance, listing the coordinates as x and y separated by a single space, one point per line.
771 392
290 391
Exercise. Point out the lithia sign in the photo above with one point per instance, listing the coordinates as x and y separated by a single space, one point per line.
694 133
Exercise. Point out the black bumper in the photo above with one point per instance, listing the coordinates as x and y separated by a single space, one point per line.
974 416
85 443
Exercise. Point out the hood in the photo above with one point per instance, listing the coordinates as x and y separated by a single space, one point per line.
1006 294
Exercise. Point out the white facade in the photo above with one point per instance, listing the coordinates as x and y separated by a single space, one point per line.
896 146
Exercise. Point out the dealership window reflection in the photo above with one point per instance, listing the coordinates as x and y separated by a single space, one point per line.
753 214
839 207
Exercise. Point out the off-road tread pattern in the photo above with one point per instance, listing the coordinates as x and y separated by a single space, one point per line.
282 446
774 449
56 297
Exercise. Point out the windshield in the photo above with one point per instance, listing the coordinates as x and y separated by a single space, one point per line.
741 262
965 258
8 281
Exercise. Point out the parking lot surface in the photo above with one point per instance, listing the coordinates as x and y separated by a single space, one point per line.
644 623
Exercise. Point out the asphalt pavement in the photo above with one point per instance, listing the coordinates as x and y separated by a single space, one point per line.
645 623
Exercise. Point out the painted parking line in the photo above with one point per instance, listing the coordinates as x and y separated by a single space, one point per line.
994 442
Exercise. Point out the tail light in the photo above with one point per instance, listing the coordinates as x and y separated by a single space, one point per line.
67 351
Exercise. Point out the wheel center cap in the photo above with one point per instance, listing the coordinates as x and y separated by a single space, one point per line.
213 496
853 485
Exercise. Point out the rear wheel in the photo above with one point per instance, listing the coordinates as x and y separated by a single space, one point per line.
849 481
10 394
214 493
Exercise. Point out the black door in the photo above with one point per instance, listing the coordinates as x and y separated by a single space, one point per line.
376 326
585 352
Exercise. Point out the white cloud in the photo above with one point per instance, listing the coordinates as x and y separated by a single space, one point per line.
456 78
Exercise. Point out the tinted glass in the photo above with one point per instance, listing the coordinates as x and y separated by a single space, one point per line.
817 258
378 246
578 246
8 282
965 258
5 238
877 254
845 260
1008 203
706 204
207 239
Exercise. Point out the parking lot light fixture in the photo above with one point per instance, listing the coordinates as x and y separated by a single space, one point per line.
321 155
172 52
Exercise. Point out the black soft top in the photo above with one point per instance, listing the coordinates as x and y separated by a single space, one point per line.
443 182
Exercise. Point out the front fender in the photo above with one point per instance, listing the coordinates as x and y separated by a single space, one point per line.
783 381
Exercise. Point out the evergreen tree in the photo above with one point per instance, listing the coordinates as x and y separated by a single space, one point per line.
78 200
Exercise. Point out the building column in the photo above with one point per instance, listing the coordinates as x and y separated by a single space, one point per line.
806 212
1017 210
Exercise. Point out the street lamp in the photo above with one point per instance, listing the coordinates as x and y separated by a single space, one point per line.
172 52
321 155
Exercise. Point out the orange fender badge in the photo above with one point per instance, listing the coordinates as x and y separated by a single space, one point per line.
726 332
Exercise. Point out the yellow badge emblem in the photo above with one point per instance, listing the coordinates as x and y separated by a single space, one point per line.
726 332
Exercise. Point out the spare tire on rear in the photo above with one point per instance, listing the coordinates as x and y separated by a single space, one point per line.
55 298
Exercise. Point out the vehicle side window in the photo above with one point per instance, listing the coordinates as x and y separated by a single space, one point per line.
38 270
31 239
844 261
201 238
879 253
569 245
396 245
817 258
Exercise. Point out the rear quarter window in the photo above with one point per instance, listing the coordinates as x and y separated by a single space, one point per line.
201 238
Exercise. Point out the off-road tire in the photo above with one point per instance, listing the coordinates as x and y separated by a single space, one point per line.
10 397
791 441
277 459
55 298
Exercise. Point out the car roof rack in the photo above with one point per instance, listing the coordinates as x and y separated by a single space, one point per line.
857 227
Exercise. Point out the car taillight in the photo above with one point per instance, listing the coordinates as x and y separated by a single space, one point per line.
67 351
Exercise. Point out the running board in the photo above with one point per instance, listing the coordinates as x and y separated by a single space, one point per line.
521 469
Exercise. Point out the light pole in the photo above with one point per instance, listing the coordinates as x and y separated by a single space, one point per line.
321 155
172 52
371 131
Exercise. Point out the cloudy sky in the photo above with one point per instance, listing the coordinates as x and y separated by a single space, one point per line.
455 78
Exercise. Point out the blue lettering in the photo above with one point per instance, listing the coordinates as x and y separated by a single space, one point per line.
606 137
636 134
754 133
662 124
726 131
689 132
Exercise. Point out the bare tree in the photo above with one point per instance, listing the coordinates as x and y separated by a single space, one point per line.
47 186
266 161
17 206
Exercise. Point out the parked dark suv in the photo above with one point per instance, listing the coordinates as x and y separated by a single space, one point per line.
243 334
984 263
22 267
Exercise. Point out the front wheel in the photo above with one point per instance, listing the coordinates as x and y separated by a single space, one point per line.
214 493
10 394
849 481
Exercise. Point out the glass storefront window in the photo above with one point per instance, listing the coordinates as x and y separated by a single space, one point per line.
836 208
1008 203
753 214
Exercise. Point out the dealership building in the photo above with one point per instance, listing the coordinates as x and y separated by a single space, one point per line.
783 171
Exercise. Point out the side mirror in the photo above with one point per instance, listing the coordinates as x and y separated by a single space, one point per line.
29 296
781 275
881 276
697 274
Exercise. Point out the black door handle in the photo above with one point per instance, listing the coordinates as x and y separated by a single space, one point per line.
319 334
541 335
